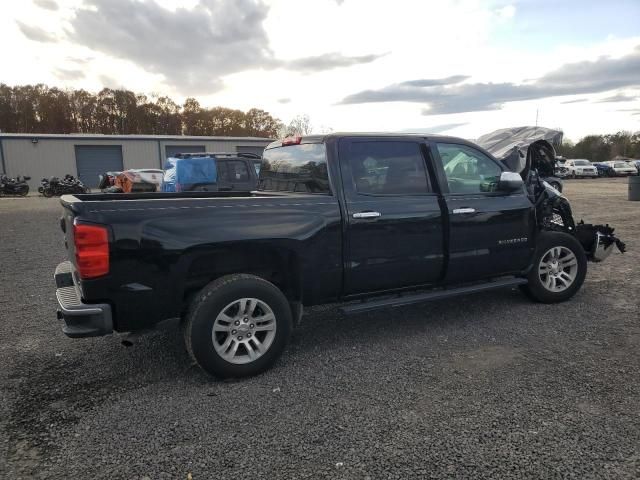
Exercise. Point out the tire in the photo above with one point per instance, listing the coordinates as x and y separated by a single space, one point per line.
541 287
47 193
24 192
217 302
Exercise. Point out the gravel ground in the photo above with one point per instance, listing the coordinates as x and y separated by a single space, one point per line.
486 386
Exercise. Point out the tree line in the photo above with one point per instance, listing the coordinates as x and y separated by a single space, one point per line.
43 109
600 148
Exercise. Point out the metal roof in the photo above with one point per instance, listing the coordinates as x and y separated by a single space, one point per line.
97 136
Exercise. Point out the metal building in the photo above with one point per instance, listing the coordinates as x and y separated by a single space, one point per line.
86 156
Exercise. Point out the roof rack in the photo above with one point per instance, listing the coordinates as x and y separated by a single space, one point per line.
218 155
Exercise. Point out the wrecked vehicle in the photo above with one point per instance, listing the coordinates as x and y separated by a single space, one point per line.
372 220
515 141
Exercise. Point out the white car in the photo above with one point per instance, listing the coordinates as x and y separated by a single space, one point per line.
622 168
580 168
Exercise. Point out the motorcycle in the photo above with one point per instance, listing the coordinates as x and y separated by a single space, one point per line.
55 187
14 186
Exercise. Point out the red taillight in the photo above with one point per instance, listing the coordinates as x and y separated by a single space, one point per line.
92 250
292 140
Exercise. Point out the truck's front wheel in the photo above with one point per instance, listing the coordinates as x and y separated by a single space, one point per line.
237 326
559 268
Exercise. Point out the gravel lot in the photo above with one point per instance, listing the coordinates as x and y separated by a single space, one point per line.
486 386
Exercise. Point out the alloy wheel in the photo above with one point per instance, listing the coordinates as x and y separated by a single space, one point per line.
244 330
558 269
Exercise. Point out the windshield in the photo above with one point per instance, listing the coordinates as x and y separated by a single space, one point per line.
295 168
582 163
621 165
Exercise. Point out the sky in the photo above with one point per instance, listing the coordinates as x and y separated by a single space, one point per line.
460 67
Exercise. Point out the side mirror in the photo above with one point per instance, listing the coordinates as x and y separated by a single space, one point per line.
510 181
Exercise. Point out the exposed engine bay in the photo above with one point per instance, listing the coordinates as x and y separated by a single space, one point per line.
529 151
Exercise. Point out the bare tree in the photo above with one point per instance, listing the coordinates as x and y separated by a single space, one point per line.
300 125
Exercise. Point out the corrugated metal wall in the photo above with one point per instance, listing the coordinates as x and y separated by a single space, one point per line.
56 156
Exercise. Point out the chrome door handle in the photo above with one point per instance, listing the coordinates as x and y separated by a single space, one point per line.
464 210
367 215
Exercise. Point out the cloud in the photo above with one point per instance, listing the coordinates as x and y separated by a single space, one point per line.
577 100
81 60
284 100
328 61
68 74
110 82
601 75
445 127
46 4
35 33
506 12
617 98
434 82
192 48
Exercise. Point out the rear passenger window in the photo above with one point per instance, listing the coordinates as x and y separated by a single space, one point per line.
386 167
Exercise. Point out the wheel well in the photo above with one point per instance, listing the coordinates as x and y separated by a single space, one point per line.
278 266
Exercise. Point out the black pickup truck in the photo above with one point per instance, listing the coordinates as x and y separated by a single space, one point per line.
369 220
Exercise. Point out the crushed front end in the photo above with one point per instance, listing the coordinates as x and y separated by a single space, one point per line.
554 213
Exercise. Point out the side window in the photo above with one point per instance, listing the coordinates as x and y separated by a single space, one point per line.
468 170
222 171
386 167
237 172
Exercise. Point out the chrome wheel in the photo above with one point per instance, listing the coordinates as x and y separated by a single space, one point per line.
558 269
244 330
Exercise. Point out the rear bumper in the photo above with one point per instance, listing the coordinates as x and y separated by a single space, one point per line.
80 319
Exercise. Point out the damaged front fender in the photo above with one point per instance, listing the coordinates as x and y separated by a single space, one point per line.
555 213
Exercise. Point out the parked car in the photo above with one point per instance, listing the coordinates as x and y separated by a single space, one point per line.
560 170
636 163
622 168
580 168
604 170
220 171
375 220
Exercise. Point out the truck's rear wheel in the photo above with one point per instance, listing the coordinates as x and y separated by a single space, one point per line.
559 268
237 326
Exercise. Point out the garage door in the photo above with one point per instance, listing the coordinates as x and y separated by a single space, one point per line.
250 149
172 150
92 160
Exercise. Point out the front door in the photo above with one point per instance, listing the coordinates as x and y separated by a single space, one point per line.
490 232
394 221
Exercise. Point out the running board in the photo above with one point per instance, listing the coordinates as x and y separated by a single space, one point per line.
410 299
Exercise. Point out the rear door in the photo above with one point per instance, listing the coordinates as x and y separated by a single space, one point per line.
490 232
394 220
